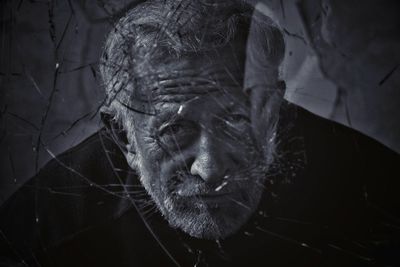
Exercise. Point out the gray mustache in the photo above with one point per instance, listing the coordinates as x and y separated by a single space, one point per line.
187 185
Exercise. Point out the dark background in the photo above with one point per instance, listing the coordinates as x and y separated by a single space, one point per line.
342 62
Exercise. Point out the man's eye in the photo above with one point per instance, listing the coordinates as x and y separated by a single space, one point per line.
177 133
174 129
235 125
237 119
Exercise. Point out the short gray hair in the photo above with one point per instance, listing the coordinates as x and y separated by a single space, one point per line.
158 29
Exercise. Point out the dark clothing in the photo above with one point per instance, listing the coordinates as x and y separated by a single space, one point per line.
333 202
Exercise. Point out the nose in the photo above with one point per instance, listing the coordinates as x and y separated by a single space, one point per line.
211 160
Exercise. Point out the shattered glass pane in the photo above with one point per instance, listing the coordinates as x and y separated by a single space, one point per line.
199 133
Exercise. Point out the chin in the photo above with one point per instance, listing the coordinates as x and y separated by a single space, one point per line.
208 221
206 227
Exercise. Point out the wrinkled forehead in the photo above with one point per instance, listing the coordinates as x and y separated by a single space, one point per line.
180 80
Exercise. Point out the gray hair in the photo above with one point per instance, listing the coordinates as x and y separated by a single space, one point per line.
159 29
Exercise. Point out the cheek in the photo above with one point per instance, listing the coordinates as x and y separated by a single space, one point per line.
244 151
150 176
154 163
154 168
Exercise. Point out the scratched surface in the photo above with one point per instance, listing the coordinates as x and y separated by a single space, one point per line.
50 93
341 63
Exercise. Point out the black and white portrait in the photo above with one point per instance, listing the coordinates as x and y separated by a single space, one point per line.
200 133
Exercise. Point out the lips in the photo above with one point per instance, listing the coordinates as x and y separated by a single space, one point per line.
211 196
191 187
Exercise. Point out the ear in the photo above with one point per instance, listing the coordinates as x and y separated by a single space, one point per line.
116 132
265 51
265 107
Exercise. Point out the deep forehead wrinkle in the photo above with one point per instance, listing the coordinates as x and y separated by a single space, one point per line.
183 98
169 111
191 83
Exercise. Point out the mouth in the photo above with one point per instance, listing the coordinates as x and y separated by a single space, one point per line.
192 192
211 197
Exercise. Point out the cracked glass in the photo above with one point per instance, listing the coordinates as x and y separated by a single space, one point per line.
199 133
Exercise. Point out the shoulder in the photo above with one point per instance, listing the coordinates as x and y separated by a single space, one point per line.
349 183
339 159
321 133
69 194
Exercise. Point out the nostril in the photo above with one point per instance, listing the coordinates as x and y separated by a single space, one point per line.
208 170
210 160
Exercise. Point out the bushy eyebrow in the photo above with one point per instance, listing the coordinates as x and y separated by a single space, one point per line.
164 117
182 97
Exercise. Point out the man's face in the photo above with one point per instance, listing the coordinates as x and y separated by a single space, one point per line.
197 156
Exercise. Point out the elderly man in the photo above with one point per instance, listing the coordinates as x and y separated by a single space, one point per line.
185 173
183 120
